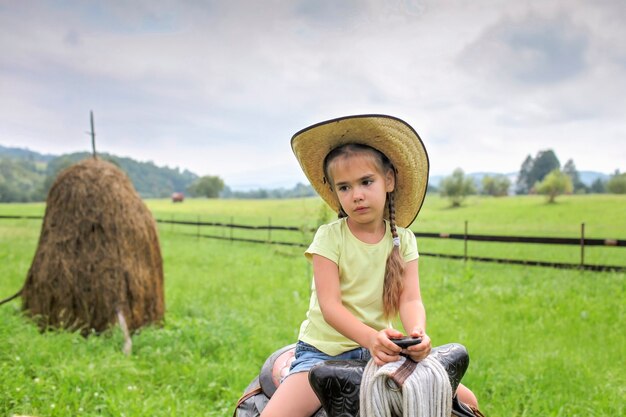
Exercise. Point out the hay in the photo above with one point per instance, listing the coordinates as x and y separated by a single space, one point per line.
98 253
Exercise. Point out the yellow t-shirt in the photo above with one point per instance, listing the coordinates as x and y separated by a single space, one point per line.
361 275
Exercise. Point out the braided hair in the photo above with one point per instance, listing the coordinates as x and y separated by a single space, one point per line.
394 271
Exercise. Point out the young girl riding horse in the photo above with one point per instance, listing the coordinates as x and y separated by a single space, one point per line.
372 170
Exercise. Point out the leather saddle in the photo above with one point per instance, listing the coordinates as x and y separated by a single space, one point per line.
337 383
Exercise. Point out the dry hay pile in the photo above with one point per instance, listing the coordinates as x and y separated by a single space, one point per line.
98 254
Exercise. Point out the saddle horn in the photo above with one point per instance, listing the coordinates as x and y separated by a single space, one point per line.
337 383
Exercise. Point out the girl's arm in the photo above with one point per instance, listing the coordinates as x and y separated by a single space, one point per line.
413 313
326 275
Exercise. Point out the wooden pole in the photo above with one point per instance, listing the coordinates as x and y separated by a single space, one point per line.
465 243
93 135
582 244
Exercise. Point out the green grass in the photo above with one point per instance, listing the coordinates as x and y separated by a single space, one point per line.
543 342
603 216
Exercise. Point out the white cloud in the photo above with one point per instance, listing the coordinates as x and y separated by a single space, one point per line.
220 87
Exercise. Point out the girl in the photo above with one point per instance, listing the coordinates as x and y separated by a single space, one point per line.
372 170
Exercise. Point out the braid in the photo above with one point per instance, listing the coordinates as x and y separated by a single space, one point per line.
392 215
394 270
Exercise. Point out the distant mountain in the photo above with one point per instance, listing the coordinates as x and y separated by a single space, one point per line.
588 177
26 175
27 154
149 180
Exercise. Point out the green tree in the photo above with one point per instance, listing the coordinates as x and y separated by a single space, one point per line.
544 163
30 175
617 183
8 192
20 180
456 187
598 186
298 191
148 179
523 183
570 169
496 186
207 186
554 184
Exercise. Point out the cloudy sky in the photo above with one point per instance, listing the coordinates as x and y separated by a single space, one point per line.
219 87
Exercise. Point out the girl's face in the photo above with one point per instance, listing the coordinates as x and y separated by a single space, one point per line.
361 187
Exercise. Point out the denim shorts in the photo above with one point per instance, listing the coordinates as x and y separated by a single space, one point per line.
306 356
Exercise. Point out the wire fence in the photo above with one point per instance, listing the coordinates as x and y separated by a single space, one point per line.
305 233
582 242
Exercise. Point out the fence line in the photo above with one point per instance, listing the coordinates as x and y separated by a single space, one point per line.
231 225
582 241
559 265
525 239
240 239
21 217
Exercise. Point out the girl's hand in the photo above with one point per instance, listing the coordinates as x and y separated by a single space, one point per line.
421 350
384 350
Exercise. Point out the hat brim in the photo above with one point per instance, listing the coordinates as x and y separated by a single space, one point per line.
392 136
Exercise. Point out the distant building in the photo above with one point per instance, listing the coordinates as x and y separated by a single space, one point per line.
178 197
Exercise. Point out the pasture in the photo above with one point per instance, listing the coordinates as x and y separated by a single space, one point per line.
542 342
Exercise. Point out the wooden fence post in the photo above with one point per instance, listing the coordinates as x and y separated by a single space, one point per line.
465 243
232 222
269 229
582 245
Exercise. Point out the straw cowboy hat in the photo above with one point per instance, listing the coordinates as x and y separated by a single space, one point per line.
390 135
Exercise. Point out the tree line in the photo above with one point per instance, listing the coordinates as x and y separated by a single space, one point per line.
27 176
539 175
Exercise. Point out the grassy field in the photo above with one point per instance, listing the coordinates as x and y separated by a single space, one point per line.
604 217
543 342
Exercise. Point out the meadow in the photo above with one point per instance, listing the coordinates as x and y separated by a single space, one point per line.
542 341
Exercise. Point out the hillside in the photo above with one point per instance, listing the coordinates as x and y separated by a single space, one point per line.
27 175
27 154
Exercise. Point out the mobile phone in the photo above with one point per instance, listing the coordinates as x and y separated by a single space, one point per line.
405 342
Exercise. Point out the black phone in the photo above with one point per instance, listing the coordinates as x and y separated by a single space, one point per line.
405 342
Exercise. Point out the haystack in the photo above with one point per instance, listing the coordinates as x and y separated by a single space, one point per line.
98 254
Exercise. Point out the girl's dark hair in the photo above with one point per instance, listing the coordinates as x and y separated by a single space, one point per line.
394 270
